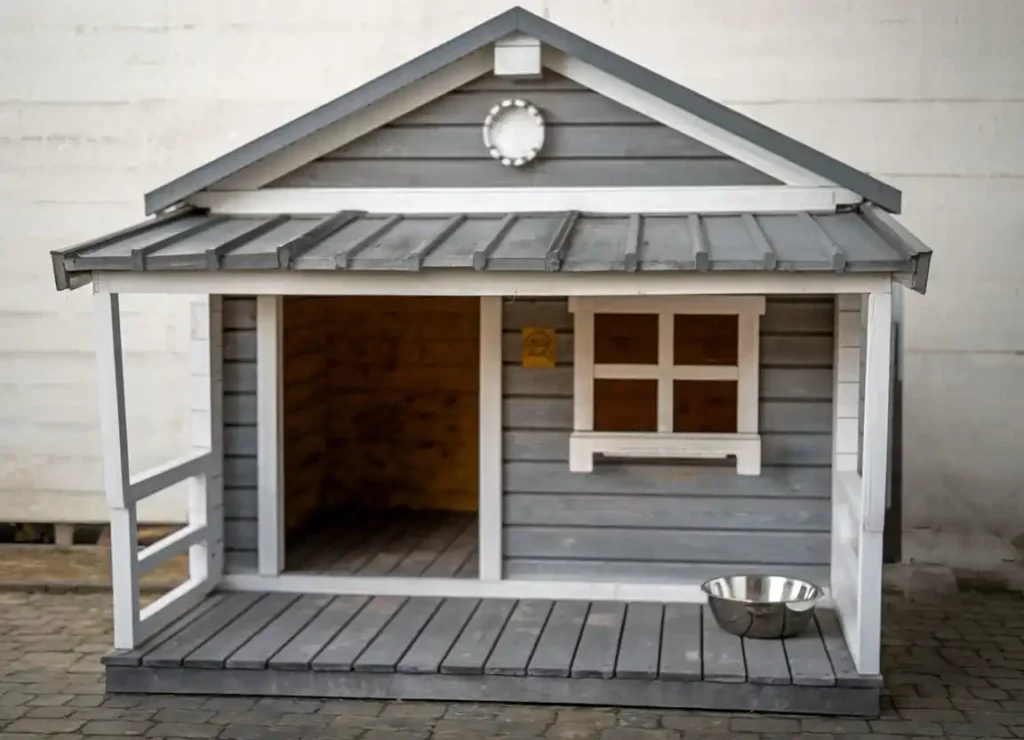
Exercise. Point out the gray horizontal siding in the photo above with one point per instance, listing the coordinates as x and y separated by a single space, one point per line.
239 431
668 521
588 138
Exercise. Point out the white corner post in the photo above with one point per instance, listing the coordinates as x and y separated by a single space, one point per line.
270 537
860 470
490 493
202 468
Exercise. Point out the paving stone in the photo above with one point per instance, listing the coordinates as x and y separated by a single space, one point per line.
932 715
228 704
959 729
589 718
638 733
764 724
421 710
260 732
834 726
687 723
903 727
44 726
353 706
47 712
184 730
183 715
116 727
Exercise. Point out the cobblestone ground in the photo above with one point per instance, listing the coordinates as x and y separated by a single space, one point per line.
953 669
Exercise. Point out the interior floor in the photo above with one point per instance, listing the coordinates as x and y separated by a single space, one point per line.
392 542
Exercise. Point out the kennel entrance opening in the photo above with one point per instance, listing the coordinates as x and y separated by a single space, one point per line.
381 435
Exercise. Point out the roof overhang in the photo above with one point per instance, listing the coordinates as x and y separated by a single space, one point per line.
858 241
520 21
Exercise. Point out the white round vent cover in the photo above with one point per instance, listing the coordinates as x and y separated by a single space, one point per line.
514 132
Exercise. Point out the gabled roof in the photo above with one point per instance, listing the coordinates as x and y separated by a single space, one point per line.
522 21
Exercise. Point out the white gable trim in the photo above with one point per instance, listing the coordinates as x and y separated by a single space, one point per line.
358 124
754 199
683 121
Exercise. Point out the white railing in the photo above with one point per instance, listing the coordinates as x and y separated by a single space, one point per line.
202 537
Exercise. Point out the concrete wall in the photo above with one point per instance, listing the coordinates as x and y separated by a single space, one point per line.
101 100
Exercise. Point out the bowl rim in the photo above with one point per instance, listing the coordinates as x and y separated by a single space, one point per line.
817 592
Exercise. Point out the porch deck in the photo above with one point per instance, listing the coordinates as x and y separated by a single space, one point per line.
562 652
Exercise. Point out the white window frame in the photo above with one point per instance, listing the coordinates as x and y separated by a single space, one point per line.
744 444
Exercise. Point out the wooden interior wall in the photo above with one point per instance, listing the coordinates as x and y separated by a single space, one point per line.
402 402
304 369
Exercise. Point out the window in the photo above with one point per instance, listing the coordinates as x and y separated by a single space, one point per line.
672 377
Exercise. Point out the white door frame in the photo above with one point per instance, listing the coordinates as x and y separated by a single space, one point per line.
270 483
202 538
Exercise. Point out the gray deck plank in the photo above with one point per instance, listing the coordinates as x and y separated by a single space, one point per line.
323 546
838 653
171 653
242 628
388 647
681 643
456 555
512 653
808 662
299 652
134 657
557 644
470 652
723 653
599 644
470 568
639 647
365 545
428 550
342 651
388 555
437 638
268 641
766 662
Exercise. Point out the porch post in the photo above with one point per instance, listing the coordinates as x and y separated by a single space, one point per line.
124 547
490 487
269 436
874 477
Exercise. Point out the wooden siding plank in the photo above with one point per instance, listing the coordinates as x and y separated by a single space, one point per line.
515 647
470 652
241 629
647 571
556 647
342 651
786 316
680 658
451 173
669 480
239 312
639 648
255 654
777 448
299 652
432 644
766 662
387 648
598 648
776 416
441 141
667 544
172 652
642 511
808 662
722 652
838 652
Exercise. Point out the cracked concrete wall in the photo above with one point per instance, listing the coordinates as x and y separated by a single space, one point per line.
102 100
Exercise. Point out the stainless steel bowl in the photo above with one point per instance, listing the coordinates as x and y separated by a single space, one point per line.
762 606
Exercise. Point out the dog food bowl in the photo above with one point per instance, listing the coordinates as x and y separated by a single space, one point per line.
762 606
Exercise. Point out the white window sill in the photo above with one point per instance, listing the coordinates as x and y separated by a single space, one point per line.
746 448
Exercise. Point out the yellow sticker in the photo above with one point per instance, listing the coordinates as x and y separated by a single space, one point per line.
540 347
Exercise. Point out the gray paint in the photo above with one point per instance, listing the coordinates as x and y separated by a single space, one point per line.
546 242
563 652
588 138
666 521
549 34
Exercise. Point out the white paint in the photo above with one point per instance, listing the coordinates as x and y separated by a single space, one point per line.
497 283
164 476
490 493
724 199
171 546
858 501
683 121
270 481
113 417
517 55
666 442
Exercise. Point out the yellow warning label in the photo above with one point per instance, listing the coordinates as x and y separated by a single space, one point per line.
540 347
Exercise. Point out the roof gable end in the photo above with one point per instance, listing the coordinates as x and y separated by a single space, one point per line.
571 46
